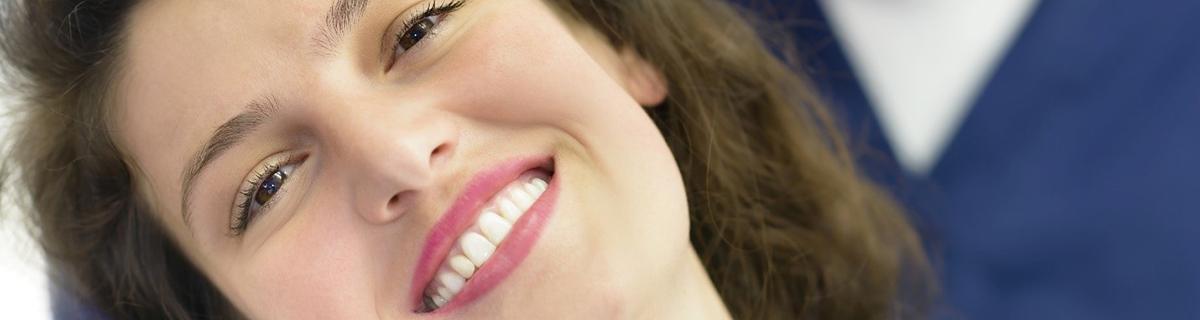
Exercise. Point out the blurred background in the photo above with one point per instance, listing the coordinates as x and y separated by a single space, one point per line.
1047 149
23 290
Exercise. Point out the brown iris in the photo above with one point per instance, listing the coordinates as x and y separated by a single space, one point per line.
414 34
269 187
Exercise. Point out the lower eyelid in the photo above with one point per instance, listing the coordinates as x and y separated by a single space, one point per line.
399 57
270 213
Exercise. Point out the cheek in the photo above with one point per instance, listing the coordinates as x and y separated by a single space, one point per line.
531 72
301 271
528 69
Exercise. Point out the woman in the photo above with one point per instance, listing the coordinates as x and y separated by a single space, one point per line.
481 159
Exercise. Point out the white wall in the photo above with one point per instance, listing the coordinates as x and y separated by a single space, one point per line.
23 291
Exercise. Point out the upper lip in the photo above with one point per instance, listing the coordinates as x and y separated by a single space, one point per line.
462 214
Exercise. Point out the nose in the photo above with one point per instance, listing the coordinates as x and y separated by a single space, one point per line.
388 156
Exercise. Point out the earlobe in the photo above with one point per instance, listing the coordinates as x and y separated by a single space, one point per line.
643 80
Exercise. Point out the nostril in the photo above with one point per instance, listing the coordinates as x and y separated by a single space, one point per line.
401 202
440 149
440 154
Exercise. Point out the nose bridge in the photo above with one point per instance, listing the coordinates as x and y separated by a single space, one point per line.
387 152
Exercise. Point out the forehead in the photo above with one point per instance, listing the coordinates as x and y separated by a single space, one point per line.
189 65
188 55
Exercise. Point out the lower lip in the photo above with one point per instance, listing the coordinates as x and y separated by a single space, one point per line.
511 252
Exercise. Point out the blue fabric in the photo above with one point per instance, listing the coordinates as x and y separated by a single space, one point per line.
1072 190
65 305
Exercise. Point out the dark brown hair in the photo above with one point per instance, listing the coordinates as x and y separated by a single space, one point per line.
62 58
784 224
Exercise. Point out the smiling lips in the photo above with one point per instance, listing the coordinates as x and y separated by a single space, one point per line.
476 243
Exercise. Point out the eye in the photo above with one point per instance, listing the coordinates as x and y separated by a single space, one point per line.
410 37
422 26
260 193
268 188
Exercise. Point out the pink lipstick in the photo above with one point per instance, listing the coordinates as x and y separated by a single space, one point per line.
488 231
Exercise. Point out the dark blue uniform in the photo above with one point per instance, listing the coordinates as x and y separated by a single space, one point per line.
1072 189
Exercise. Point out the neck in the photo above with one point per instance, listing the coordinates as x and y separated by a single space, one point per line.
693 296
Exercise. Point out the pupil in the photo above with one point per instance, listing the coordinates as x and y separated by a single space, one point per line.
269 187
416 33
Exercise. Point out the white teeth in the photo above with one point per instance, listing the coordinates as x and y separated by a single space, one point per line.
445 293
522 199
478 244
462 265
510 210
532 189
438 301
452 281
477 248
494 227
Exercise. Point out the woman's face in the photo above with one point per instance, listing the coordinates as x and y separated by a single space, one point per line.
325 174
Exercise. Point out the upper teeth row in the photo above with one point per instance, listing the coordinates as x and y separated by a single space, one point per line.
480 241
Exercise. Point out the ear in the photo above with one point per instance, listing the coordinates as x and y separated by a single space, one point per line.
643 80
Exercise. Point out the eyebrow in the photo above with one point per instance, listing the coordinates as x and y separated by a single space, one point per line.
228 135
340 17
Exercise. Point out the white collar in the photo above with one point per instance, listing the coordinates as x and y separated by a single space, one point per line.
923 62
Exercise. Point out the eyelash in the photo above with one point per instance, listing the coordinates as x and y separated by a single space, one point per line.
242 216
433 10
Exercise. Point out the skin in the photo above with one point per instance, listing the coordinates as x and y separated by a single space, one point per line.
387 148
